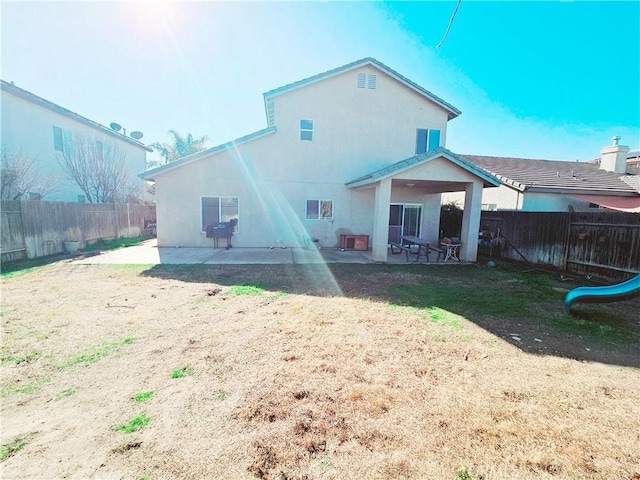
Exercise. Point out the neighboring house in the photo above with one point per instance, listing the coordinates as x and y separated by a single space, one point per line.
558 186
356 150
40 130
633 162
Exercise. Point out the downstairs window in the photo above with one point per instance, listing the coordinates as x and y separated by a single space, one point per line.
320 209
219 209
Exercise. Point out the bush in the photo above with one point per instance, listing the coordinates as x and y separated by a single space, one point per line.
450 220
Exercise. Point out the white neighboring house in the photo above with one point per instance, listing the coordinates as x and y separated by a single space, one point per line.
610 182
633 162
357 150
39 129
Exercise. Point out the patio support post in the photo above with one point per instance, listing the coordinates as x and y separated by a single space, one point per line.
471 221
381 221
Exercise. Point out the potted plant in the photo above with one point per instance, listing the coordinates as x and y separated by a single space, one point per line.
71 246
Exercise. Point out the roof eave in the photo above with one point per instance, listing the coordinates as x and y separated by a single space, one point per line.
583 191
150 175
488 179
453 112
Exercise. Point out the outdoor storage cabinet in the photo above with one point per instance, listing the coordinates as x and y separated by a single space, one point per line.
354 242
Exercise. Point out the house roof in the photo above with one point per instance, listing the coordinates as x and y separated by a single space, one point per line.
632 180
408 163
553 176
452 111
35 99
194 157
633 162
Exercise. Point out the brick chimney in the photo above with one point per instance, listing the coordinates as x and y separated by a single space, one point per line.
614 157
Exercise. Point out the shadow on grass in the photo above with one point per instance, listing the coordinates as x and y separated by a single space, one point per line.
23 266
524 309
115 244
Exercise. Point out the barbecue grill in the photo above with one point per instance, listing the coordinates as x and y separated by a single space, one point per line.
221 230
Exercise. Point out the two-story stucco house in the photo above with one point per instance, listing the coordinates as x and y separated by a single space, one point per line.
40 130
356 150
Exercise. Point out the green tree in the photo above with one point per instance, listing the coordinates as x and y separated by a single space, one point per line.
179 146
450 220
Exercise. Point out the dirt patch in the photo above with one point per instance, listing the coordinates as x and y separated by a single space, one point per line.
285 380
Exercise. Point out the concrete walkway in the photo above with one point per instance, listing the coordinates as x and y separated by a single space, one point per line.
148 253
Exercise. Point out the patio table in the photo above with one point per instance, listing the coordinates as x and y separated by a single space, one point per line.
423 245
452 251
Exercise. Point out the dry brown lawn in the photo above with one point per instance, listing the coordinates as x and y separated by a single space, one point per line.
307 378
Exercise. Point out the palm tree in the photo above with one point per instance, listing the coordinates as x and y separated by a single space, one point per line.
179 146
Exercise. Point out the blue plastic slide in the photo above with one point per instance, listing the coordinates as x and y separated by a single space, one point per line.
610 293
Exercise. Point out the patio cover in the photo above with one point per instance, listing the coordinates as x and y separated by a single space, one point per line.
621 204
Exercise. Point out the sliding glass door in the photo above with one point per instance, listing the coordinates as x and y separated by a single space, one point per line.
404 219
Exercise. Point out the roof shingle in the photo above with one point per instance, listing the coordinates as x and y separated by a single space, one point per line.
552 176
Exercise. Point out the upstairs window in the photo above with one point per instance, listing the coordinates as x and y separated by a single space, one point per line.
57 139
367 80
61 139
320 209
427 140
306 130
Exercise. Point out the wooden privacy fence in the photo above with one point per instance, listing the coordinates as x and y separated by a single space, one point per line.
34 228
598 243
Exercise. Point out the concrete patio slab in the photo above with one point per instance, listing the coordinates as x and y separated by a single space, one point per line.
148 253
249 256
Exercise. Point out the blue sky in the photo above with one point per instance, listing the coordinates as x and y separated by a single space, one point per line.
549 80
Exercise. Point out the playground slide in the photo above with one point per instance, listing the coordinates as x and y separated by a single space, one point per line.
610 293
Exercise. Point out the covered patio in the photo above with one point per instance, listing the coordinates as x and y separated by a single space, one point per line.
419 181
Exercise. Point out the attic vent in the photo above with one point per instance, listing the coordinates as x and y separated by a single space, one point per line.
371 82
367 81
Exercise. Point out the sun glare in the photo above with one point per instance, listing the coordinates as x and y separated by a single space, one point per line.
152 17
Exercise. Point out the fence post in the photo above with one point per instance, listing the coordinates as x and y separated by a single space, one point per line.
567 237
116 219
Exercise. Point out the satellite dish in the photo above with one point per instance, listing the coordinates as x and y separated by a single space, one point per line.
115 126
136 135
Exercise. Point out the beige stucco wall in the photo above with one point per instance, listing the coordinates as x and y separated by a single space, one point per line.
28 128
356 131
271 207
